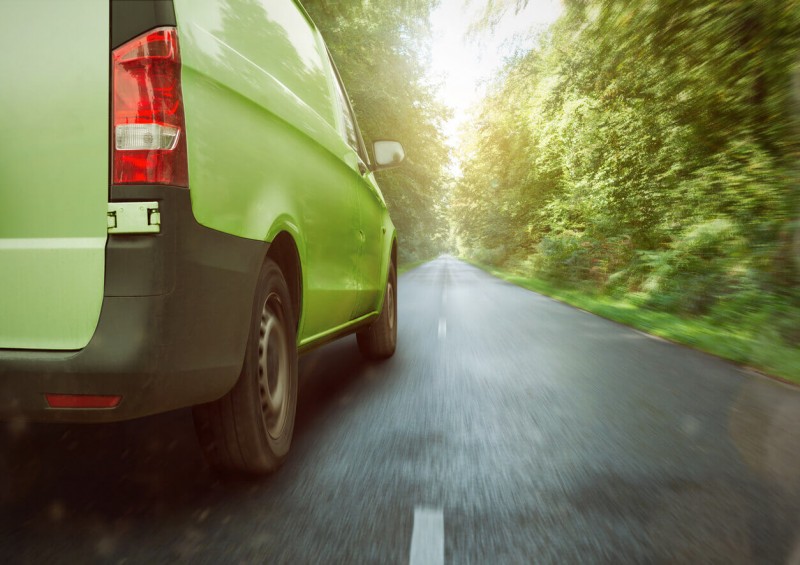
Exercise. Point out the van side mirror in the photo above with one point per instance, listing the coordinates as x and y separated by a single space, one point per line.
388 154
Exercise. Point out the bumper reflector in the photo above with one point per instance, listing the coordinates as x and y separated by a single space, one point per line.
82 401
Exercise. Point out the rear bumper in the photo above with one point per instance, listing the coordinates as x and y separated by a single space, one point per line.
172 330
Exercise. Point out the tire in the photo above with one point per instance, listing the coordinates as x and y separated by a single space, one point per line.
379 339
249 430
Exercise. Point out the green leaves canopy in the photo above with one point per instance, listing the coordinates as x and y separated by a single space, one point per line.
635 121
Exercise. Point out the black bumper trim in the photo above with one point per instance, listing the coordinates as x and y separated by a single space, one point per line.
173 325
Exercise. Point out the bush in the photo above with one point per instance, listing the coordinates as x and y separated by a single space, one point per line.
701 265
562 257
575 257
495 256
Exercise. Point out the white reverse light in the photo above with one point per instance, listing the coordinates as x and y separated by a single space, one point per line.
145 137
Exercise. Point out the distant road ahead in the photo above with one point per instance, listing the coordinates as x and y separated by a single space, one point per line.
508 428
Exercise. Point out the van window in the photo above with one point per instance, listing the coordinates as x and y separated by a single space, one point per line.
352 133
349 122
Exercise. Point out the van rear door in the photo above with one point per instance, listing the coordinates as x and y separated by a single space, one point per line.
54 139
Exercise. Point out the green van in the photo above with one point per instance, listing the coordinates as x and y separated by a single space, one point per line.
186 203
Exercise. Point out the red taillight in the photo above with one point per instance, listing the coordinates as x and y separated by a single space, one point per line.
148 131
82 401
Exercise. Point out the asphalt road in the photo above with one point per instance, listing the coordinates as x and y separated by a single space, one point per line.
508 428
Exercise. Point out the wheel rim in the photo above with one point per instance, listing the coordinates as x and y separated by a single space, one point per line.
390 304
273 368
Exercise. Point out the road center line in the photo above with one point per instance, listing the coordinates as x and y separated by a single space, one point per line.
427 539
442 328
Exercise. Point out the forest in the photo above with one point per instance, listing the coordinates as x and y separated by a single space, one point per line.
641 149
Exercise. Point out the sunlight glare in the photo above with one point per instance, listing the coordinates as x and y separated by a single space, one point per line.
461 62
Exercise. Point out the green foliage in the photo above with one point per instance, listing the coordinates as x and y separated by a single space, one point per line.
700 267
575 257
648 147
562 257
381 48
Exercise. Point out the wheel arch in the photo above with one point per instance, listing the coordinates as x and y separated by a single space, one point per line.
284 251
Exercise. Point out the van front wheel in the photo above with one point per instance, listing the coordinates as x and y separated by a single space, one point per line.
249 430
379 340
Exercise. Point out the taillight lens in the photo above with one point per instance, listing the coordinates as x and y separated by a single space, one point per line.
148 130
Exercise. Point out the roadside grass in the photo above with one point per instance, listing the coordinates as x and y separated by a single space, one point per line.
403 267
762 351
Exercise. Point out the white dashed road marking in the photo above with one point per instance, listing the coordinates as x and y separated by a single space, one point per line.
442 328
427 539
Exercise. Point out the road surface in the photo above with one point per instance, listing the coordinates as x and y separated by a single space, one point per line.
508 428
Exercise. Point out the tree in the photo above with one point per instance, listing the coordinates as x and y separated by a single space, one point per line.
636 141
381 48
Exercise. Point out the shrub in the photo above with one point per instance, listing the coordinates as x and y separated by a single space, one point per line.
562 257
698 268
494 256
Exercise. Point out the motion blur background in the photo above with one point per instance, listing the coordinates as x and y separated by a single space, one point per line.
637 158
640 154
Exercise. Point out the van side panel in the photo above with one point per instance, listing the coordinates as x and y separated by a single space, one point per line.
379 233
54 138
264 151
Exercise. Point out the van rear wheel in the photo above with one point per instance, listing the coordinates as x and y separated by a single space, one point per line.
249 430
379 339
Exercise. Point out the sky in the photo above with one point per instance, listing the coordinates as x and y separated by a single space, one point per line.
462 63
